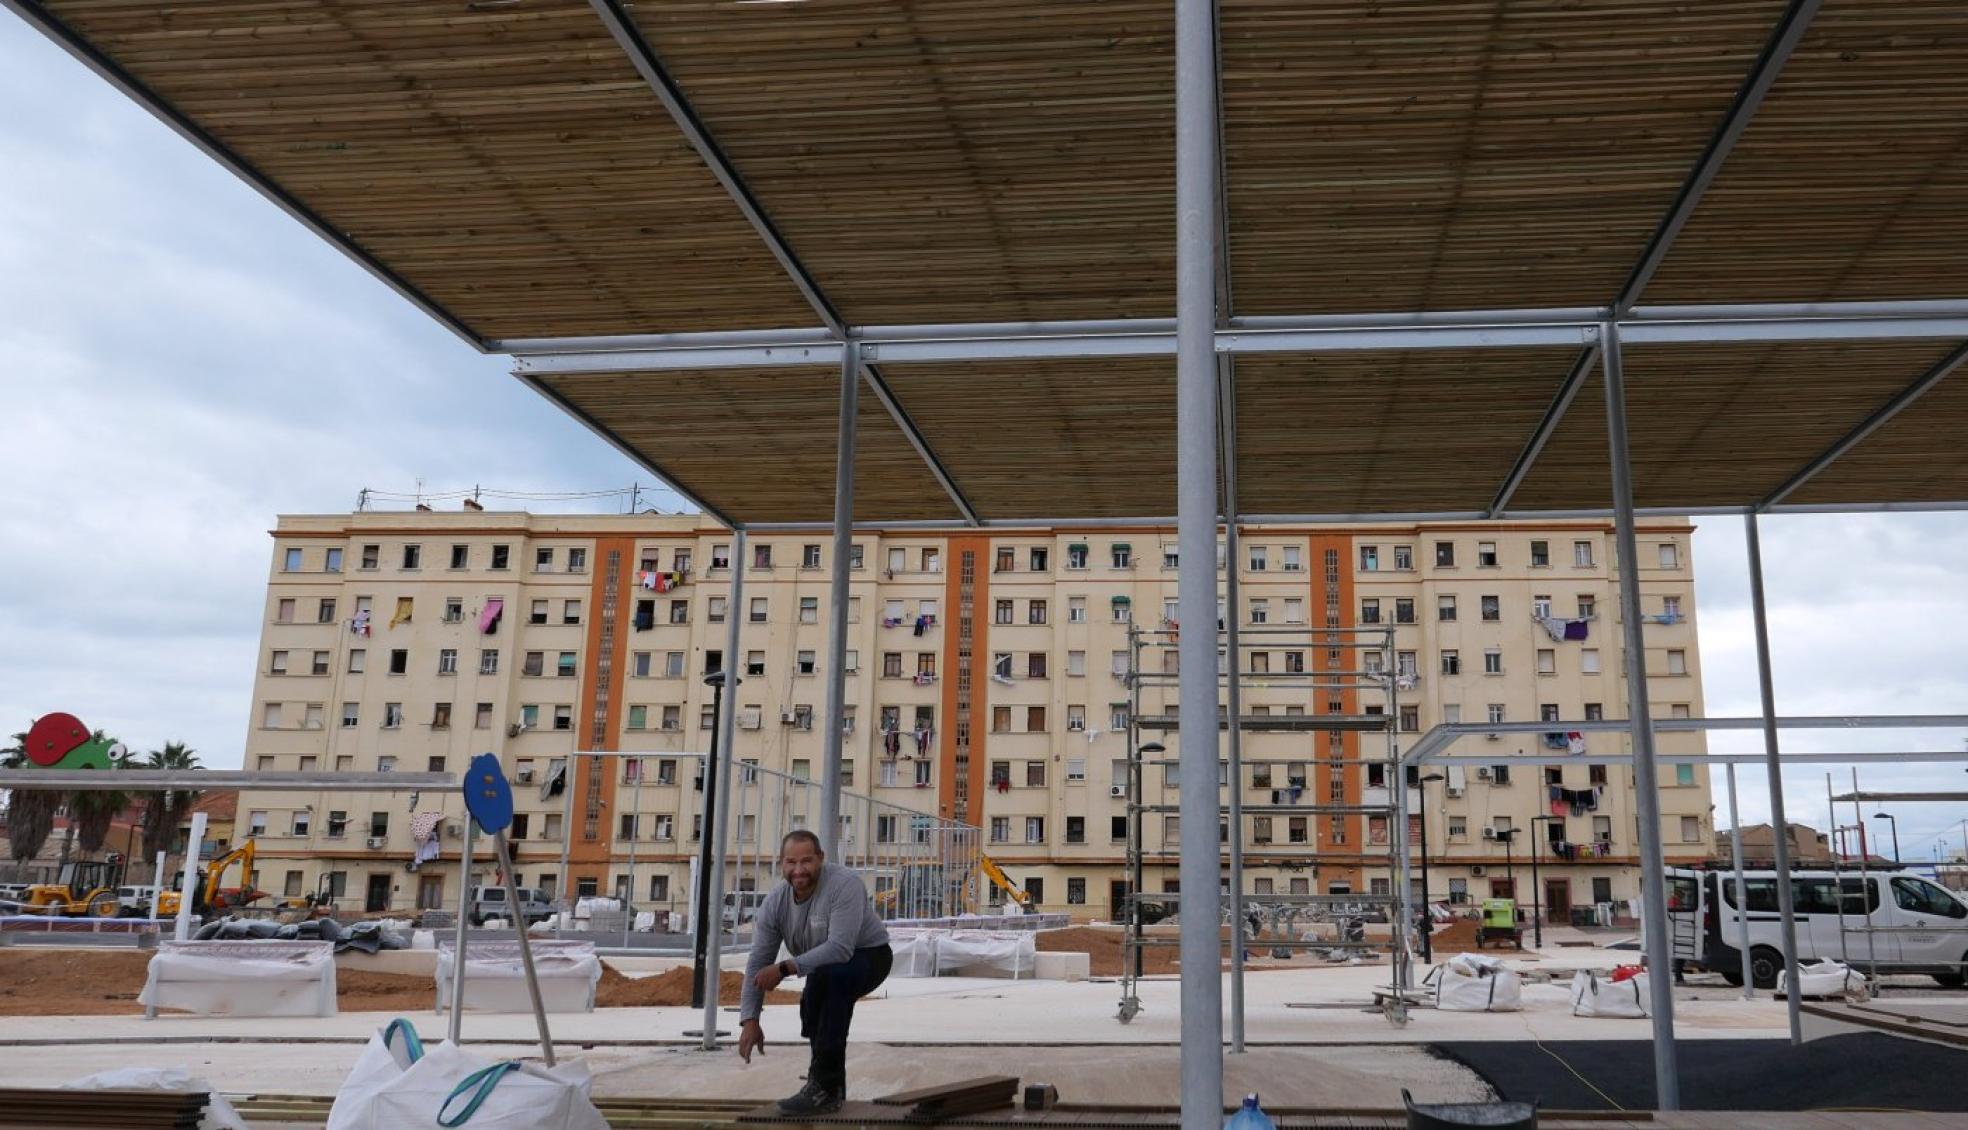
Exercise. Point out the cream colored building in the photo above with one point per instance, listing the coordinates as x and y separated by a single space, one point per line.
589 651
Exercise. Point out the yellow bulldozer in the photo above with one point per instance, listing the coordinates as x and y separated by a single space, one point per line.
85 889
209 898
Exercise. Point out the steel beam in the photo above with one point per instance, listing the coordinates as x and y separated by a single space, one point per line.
1796 329
1547 427
1646 779
1773 768
154 780
110 71
646 62
837 595
1870 425
719 798
607 435
1196 226
1783 40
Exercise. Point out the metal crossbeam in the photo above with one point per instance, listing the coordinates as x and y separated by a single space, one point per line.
157 780
1872 424
1783 40
1582 368
111 72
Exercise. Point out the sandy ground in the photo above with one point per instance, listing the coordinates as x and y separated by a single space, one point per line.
83 982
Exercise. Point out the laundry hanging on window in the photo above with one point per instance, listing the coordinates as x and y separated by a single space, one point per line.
404 605
922 624
923 735
488 617
360 625
1554 740
891 742
1575 743
645 617
1575 629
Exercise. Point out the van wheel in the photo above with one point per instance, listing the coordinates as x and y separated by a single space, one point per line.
1956 977
1764 965
1734 977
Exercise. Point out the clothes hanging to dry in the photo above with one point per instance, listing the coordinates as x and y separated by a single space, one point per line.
488 617
360 625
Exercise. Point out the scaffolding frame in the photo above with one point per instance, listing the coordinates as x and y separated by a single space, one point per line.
1359 646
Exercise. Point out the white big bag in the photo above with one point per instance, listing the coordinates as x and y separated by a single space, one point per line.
1471 983
1593 995
1825 978
397 1085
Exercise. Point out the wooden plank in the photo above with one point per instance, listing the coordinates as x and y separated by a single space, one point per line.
944 1092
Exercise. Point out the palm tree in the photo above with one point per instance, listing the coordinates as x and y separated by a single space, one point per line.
30 812
92 811
163 811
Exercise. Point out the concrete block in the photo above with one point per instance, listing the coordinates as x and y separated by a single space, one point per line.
1063 966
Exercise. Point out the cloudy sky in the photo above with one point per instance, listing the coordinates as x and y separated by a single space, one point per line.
181 363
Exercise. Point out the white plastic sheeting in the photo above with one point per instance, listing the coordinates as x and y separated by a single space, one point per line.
985 953
915 952
219 1114
495 977
1593 995
1471 983
242 978
393 1087
1825 978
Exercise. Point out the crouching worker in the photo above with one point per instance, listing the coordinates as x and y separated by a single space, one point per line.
827 922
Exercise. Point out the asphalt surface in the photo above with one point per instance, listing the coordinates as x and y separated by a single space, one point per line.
1870 1071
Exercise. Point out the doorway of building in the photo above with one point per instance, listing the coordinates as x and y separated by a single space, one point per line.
1117 890
1558 900
430 892
379 894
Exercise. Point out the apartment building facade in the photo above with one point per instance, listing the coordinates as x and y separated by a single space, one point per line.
986 682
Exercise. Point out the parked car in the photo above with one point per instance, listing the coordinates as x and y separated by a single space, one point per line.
740 907
490 902
136 901
1902 921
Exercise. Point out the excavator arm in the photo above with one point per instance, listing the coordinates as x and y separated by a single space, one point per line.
215 874
1003 882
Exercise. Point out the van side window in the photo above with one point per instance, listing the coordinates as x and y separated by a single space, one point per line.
1922 897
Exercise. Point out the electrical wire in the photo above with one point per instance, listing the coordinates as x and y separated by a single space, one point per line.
1610 1101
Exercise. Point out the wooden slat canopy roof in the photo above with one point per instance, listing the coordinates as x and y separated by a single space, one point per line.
575 170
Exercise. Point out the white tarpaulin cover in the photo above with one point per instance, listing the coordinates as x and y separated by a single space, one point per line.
495 977
981 953
1471 983
1825 978
219 1114
1593 995
397 1085
915 952
243 978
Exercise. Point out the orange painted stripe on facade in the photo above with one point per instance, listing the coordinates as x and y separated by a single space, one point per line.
972 811
588 858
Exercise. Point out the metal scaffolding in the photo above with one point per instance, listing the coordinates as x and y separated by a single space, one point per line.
1358 661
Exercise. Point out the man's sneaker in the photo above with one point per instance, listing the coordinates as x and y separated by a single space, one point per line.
812 1099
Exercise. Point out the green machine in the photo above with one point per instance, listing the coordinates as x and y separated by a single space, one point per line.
1499 922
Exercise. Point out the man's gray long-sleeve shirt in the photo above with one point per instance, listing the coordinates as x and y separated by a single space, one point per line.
836 919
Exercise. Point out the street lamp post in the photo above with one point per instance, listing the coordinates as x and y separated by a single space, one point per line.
1887 816
701 942
1427 927
1537 889
1137 799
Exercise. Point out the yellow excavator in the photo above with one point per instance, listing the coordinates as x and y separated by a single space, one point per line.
86 889
210 898
1003 882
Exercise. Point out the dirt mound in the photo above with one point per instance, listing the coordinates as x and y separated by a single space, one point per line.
1459 936
670 989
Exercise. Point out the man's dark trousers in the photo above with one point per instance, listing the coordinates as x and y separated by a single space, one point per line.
827 1009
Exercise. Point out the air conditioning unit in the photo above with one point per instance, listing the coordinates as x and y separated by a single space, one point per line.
1489 833
749 720
1117 790
1454 793
1483 773
525 776
454 831
788 718
1477 870
376 841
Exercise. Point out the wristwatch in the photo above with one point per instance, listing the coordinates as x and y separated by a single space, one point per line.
789 968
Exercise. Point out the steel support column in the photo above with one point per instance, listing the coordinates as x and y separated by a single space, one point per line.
1773 765
837 595
721 803
1227 427
1195 306
1742 890
1646 778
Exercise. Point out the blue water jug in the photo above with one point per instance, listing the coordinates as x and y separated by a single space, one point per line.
1250 1117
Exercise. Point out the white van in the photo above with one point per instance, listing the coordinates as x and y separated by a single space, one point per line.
1901 921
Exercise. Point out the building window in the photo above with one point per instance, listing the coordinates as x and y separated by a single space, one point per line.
810 556
1582 554
284 611
1035 612
1445 608
277 663
638 718
1369 559
1486 554
1258 558
1038 559
1670 555
537 613
1540 555
1410 719
1370 611
1445 555
1451 662
1122 609
1404 610
1260 611
1122 554
1076 556
1677 662
1547 661
1589 661
1492 608
1496 712
1035 665
1541 607
679 612
413 556
563 718
291 562
1670 608
570 612
1691 829
1076 610
564 668
759 610
1001 612
1492 661
1035 829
